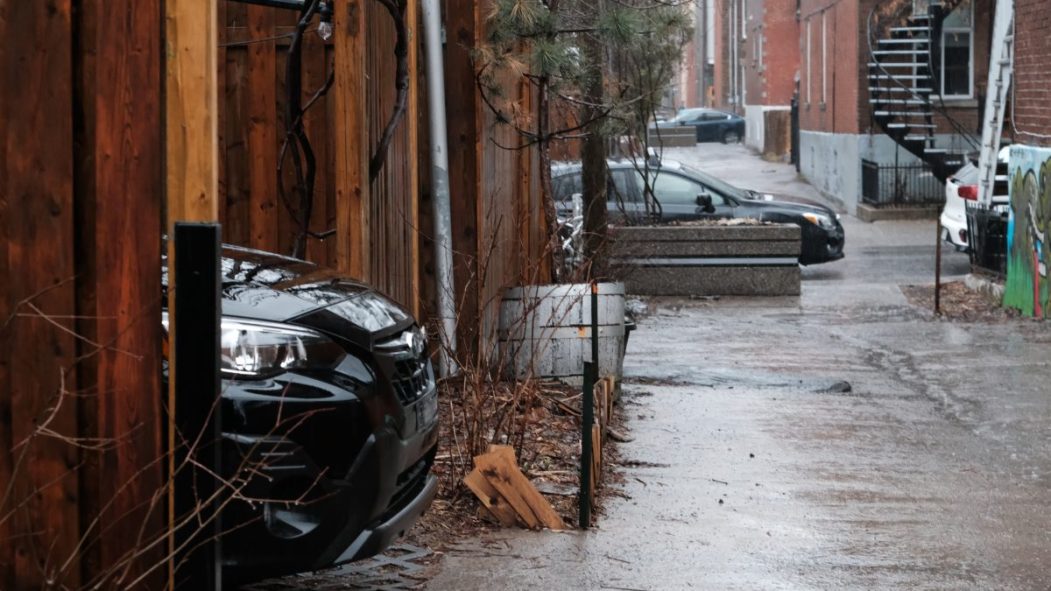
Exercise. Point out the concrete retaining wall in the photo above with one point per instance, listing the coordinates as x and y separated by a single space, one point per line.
832 161
708 260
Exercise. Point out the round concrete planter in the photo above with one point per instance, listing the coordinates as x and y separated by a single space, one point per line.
545 331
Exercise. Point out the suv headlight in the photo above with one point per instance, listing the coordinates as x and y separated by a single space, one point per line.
253 349
820 220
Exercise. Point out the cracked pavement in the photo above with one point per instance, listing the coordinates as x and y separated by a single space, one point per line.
755 467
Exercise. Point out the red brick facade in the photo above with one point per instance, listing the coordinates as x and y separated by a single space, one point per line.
770 54
834 96
766 33
1032 93
831 70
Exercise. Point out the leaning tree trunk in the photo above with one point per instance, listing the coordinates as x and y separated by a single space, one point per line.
593 158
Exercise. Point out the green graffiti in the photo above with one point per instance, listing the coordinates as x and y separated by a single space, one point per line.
1029 255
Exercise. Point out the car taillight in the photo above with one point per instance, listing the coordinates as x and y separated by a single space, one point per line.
968 192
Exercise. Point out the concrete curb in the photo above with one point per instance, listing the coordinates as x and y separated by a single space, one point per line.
867 213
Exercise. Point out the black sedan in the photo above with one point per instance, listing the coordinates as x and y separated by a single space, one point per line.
329 413
711 125
680 193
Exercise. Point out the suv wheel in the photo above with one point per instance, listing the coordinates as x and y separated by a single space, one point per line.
731 136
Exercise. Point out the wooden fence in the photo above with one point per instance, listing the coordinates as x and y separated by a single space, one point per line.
498 224
82 180
81 185
257 207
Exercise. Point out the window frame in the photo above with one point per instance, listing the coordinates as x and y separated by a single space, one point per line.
969 31
824 57
809 69
726 199
939 87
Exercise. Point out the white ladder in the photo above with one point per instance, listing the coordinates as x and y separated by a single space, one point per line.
1001 71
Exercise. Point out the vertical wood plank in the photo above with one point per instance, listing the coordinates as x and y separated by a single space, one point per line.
263 133
413 123
36 220
7 303
123 189
191 110
235 171
462 25
351 140
315 72
220 91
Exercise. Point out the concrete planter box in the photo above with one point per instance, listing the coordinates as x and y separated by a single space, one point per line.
759 260
674 137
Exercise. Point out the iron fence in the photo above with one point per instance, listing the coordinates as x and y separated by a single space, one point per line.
885 185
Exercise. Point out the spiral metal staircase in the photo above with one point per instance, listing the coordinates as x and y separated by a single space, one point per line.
904 46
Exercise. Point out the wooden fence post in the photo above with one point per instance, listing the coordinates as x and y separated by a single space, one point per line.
351 140
191 118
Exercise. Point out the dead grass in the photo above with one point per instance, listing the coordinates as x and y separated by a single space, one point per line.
549 456
958 303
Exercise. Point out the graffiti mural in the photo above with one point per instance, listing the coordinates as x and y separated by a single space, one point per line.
1028 232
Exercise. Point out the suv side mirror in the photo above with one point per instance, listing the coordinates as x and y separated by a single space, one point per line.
704 201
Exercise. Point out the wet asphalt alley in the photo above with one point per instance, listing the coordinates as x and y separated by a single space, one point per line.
754 468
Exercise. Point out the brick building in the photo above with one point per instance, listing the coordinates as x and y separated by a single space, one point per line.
1032 94
756 67
838 124
695 78
1028 125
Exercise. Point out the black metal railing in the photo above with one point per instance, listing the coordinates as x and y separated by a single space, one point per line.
885 185
987 232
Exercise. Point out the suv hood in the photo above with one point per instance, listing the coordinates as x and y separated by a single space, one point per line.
266 286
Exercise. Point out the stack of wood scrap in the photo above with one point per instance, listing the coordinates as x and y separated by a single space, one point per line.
507 494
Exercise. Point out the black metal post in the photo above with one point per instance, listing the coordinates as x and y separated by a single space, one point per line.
587 415
195 369
587 419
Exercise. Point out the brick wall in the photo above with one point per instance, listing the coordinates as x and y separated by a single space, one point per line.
846 108
1032 73
829 85
770 54
721 26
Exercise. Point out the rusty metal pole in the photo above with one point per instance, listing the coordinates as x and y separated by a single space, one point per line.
938 270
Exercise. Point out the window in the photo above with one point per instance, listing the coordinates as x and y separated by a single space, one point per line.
759 41
809 78
956 68
824 57
744 19
672 189
619 191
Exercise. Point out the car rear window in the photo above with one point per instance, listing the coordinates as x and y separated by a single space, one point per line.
967 175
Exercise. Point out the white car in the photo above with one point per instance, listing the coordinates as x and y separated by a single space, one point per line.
963 187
